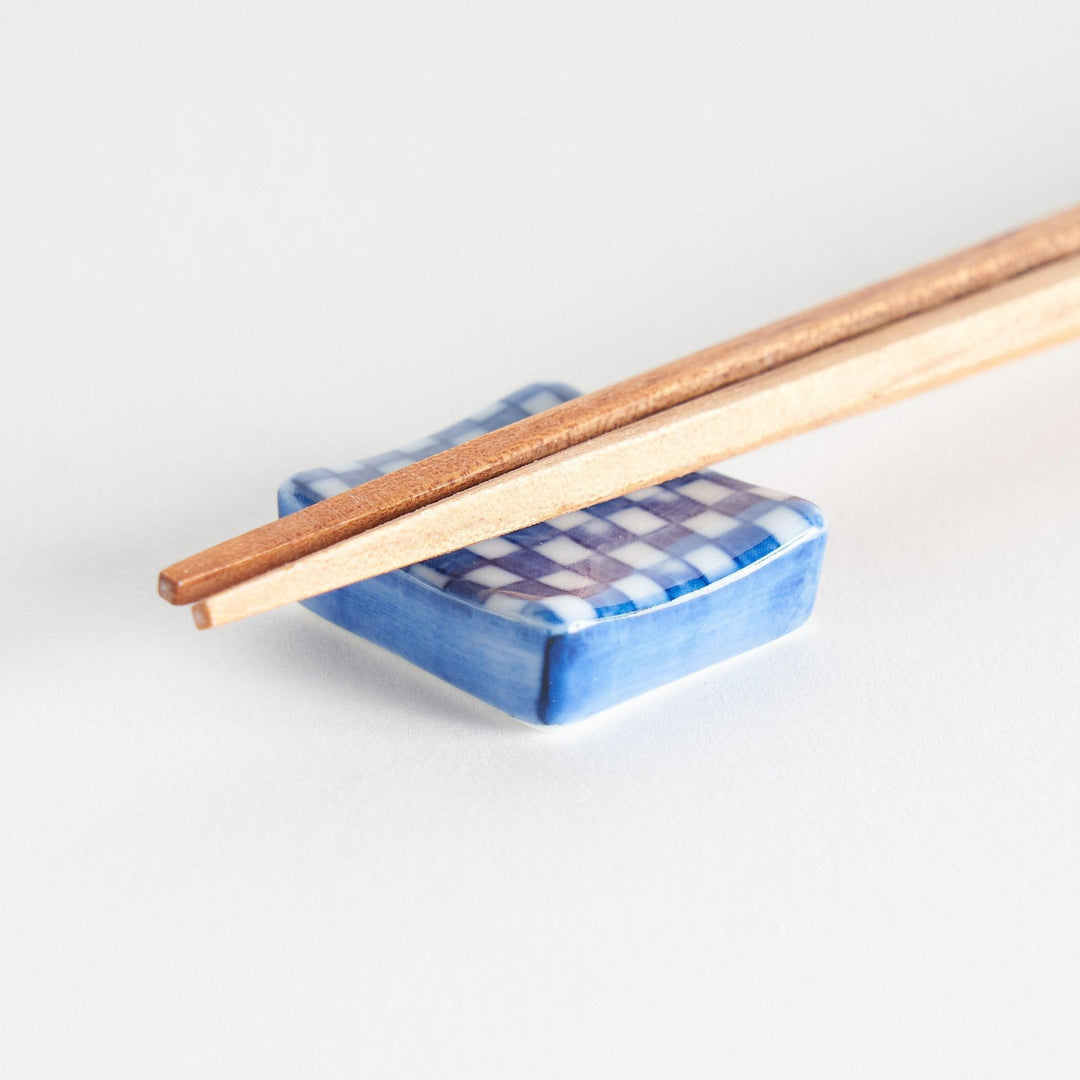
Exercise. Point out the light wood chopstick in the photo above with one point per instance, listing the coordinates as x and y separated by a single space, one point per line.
455 470
1027 313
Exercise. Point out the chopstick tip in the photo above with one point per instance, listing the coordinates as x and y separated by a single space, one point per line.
166 587
202 617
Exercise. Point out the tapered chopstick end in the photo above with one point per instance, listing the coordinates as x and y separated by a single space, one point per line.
167 588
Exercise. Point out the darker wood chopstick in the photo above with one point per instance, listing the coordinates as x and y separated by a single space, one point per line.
385 498
1025 314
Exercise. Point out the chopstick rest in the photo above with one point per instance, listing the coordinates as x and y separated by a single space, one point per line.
563 619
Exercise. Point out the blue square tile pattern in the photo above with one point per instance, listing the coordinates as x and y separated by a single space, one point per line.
627 554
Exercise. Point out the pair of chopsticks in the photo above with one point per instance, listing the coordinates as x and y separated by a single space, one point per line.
999 300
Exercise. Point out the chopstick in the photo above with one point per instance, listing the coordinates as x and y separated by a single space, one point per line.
574 422
1026 313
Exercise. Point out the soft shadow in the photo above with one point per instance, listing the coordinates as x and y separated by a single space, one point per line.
318 654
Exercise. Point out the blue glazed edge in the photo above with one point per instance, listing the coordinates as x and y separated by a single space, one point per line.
608 662
415 620
565 673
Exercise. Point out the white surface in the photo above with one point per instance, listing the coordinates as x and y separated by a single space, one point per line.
240 240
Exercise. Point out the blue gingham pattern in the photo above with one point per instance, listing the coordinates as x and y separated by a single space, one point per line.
619 556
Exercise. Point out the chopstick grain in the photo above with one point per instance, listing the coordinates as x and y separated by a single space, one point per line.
592 415
1021 315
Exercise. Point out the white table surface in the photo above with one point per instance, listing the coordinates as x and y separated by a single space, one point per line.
239 240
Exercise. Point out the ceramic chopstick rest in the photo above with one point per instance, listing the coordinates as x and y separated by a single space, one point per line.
563 619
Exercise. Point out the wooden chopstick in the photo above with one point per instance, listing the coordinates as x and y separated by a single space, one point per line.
386 498
1026 313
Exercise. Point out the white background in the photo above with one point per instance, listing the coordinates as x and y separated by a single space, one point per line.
237 240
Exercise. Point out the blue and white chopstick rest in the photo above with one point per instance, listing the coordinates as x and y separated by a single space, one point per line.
563 619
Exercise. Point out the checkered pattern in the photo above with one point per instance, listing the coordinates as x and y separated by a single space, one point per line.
619 556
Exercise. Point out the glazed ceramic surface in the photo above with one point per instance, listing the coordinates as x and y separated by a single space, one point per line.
567 617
